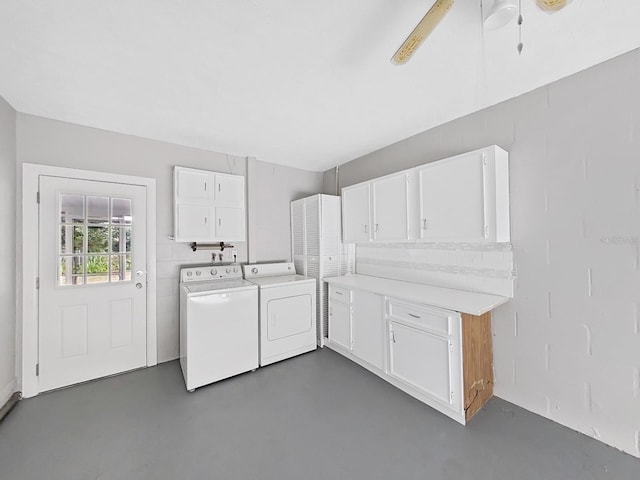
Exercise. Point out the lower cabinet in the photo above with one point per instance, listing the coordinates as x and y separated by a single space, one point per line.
367 313
340 324
441 357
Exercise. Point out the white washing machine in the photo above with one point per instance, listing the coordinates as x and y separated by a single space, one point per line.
218 324
287 310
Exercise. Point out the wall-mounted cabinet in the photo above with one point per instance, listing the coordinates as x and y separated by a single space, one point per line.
377 210
208 206
459 199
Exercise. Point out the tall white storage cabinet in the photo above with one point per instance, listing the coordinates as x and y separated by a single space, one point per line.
318 251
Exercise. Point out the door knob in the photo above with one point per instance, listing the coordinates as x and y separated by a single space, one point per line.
138 285
139 273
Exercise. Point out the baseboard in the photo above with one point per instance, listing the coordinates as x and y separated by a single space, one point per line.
8 390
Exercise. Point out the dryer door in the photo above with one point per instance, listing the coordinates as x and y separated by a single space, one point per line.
289 316
287 321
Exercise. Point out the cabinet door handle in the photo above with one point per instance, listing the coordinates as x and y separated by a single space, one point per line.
424 223
338 293
219 222
393 336
205 186
376 228
366 229
414 316
218 187
205 220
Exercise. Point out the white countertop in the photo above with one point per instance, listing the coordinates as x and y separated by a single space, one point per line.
473 303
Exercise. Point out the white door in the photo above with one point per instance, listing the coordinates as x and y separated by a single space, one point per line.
340 324
92 274
421 360
390 203
368 327
452 199
355 214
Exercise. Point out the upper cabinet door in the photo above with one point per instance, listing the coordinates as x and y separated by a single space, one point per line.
229 190
390 207
355 214
452 199
229 224
193 186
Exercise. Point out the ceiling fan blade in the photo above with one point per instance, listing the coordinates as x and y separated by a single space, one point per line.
428 23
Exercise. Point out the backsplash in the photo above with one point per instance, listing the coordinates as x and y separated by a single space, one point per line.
487 268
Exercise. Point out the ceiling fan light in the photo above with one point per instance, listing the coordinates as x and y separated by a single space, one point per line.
500 13
552 6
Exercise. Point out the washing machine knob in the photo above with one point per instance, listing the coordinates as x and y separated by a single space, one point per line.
254 270
214 271
235 269
189 274
228 270
198 272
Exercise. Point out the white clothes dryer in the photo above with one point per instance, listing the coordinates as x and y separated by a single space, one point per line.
287 310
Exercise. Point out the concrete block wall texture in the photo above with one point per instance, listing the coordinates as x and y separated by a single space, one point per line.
7 249
568 345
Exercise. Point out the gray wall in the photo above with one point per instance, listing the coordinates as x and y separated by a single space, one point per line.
57 143
271 190
7 249
568 345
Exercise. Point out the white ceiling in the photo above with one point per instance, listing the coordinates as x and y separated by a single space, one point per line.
295 82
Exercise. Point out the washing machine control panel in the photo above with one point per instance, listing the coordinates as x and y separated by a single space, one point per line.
208 272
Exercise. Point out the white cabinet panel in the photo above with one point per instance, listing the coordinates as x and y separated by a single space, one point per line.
229 224
198 196
390 205
194 222
194 186
340 324
452 202
420 359
355 211
368 327
229 190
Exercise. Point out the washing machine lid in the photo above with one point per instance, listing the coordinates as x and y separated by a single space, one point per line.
280 280
218 286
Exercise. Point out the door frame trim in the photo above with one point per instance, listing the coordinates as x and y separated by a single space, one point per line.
27 342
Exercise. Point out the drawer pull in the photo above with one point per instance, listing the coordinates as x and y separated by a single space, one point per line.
414 316
338 293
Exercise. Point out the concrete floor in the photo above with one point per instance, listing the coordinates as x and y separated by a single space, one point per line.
317 416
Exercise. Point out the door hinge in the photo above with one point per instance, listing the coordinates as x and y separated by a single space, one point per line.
486 231
451 347
37 283
37 197
37 369
484 159
451 396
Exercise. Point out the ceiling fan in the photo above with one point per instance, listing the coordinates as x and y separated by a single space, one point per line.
440 8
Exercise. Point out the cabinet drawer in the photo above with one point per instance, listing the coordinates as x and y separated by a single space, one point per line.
435 320
339 294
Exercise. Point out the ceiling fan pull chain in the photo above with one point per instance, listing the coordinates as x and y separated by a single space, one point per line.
520 45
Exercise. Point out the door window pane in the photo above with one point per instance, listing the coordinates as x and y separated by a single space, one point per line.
97 239
71 270
97 269
98 210
71 208
120 268
121 211
71 239
120 239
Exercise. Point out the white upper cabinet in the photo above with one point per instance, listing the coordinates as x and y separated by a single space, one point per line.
208 206
459 199
193 186
229 190
356 218
465 198
390 208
